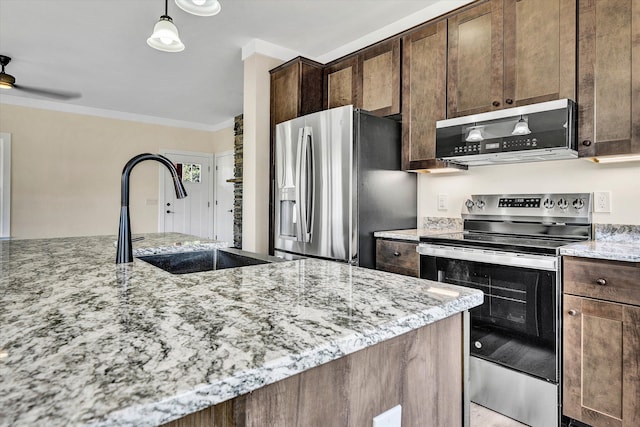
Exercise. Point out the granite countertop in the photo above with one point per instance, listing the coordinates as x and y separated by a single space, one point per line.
84 341
615 242
431 226
604 249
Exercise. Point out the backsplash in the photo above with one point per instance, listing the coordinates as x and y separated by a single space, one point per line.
439 223
617 232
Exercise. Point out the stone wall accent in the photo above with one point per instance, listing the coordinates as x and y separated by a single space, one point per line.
237 181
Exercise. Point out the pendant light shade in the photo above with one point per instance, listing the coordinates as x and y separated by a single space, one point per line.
521 128
200 7
475 135
165 35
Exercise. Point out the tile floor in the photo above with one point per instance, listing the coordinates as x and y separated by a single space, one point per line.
483 417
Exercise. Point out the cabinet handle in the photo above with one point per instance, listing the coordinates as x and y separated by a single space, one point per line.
601 282
496 103
586 143
509 101
573 312
396 253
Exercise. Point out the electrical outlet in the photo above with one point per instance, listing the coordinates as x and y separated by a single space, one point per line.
443 202
390 418
602 201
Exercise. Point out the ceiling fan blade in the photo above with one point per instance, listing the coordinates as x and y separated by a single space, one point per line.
57 94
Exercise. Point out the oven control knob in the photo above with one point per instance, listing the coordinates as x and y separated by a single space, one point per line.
578 203
563 204
469 203
477 344
480 204
548 203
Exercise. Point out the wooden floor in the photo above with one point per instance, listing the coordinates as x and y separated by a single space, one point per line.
483 417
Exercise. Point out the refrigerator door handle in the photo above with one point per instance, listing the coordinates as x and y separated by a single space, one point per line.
298 185
305 184
310 184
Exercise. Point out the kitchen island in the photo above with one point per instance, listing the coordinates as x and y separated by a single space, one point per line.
84 341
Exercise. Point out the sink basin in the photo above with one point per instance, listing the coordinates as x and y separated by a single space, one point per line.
214 259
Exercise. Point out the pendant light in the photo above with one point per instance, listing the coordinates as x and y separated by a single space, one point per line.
200 7
521 128
165 34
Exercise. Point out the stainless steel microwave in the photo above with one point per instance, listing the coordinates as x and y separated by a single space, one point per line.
536 132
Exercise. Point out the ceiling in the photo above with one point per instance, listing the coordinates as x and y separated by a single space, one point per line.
98 48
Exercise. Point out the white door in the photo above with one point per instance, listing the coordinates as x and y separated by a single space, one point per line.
223 216
193 214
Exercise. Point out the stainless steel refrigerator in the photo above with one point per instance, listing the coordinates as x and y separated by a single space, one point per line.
337 179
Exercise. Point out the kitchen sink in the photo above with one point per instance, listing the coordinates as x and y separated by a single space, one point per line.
214 259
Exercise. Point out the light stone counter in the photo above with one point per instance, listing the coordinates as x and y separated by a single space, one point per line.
86 342
616 242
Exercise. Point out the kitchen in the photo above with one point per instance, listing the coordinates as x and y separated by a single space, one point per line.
560 176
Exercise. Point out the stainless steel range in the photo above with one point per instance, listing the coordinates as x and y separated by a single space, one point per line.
509 249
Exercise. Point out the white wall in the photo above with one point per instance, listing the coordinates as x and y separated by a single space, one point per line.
66 169
579 175
255 157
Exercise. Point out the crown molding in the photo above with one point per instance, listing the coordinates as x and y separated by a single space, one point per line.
110 114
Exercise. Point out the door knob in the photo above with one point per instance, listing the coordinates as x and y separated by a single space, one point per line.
168 204
168 211
230 210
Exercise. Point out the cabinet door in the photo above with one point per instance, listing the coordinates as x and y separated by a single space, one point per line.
539 51
341 83
380 75
424 68
609 77
285 94
475 52
601 354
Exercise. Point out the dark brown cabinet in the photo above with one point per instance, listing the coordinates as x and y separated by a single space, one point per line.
296 89
342 83
609 77
505 53
424 69
369 79
397 257
601 342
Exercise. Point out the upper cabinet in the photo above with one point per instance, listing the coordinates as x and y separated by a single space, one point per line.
369 79
424 69
296 89
342 83
505 53
609 77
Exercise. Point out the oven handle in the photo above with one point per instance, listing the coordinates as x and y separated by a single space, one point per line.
539 262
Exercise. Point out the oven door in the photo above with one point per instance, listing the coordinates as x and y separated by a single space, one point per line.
516 325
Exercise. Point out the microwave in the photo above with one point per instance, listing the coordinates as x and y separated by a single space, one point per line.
536 132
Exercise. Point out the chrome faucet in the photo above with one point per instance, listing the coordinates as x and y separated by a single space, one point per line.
124 250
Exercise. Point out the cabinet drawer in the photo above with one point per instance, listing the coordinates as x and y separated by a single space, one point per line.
607 280
398 257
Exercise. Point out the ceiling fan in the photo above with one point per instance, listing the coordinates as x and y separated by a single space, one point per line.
7 81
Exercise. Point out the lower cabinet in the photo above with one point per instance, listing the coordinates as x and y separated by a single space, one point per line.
601 343
397 257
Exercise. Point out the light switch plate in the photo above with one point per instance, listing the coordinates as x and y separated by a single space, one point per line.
390 418
443 204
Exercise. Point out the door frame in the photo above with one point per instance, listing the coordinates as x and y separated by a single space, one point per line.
5 188
215 188
161 188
